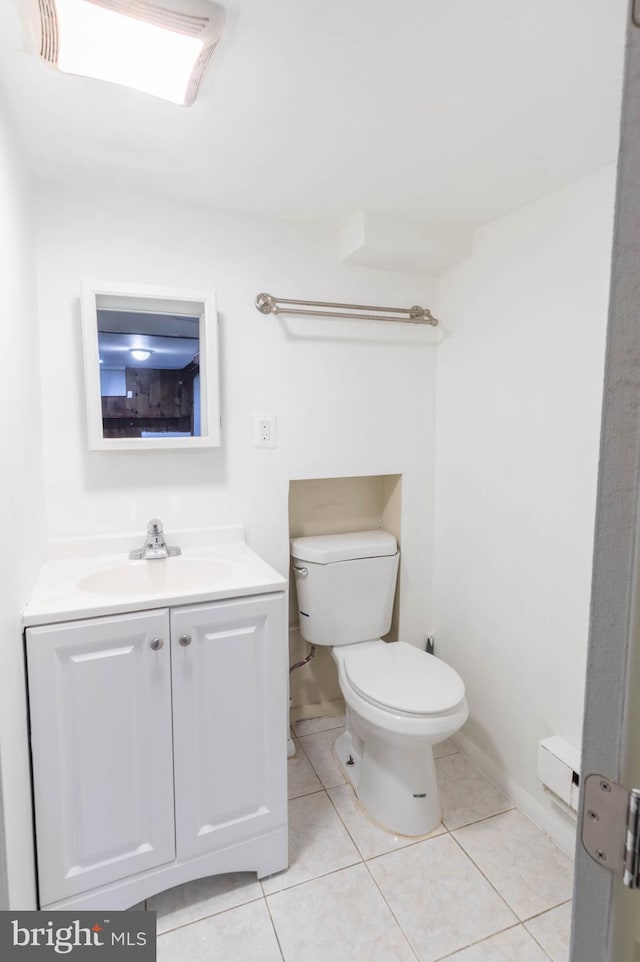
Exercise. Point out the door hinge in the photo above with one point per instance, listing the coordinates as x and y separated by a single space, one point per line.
611 827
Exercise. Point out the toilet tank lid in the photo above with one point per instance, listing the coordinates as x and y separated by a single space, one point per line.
325 548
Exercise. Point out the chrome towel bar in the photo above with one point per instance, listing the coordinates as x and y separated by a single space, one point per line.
267 304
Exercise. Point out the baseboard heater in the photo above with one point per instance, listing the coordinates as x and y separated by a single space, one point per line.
559 769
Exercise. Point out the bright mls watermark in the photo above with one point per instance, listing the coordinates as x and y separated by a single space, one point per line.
106 936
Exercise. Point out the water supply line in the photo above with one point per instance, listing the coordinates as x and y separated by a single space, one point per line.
305 661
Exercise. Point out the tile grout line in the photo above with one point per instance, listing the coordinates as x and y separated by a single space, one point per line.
265 896
393 914
420 839
275 931
513 925
510 928
539 915
488 880
541 947
471 859
315 770
531 918
212 915
308 761
482 818
344 824
333 728
502 897
364 860
323 874
316 791
454 751
313 878
548 837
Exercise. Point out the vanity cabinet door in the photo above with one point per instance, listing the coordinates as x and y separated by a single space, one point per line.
229 717
100 697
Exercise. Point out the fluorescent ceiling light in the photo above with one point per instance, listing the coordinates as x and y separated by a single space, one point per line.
159 47
139 355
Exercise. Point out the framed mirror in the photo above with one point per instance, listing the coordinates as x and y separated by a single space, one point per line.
151 367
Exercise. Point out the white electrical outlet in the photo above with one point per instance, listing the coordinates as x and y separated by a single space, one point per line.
265 430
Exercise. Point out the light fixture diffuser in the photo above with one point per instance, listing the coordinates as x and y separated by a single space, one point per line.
160 47
139 354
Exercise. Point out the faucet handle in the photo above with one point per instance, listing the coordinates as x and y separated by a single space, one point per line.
155 546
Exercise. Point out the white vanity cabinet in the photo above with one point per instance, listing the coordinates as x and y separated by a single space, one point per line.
158 749
230 749
100 705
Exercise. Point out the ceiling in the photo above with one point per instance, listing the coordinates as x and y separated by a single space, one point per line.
169 353
173 339
443 113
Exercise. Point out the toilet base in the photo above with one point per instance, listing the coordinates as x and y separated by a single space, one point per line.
396 784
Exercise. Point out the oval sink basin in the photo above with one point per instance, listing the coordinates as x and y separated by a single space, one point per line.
166 575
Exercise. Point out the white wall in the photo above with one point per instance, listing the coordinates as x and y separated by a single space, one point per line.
519 383
519 396
351 398
22 498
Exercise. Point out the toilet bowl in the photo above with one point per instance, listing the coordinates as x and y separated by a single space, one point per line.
400 701
387 747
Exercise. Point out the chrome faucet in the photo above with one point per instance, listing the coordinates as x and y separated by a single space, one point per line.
155 546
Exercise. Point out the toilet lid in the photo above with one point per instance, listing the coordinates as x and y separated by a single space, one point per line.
401 677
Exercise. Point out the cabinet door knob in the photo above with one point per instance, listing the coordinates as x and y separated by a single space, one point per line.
156 644
184 640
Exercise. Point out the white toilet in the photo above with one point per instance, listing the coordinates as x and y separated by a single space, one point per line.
400 700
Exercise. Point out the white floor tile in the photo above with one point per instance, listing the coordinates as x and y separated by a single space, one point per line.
466 795
514 945
244 934
203 897
370 838
553 931
447 747
308 726
439 897
339 918
318 843
302 780
519 860
319 750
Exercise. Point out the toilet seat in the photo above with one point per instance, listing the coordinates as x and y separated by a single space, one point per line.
399 677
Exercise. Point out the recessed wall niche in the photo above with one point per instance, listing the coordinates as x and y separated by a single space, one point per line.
331 506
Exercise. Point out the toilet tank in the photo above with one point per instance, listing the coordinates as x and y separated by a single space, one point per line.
346 585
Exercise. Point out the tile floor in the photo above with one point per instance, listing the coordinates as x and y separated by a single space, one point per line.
486 886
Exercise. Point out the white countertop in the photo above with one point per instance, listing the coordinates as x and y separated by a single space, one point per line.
87 578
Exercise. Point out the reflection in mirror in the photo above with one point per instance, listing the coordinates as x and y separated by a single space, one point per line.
151 367
149 374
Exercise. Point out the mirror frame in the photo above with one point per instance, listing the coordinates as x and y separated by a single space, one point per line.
158 299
